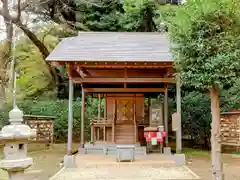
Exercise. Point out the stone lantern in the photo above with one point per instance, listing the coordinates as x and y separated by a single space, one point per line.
15 138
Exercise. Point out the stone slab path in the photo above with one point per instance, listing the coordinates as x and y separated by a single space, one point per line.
106 168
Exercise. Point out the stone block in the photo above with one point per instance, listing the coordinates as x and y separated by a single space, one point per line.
105 151
69 161
179 159
82 150
167 150
125 153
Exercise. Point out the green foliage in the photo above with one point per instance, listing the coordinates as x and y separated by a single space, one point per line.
164 14
138 16
206 38
196 118
49 106
231 97
102 15
34 77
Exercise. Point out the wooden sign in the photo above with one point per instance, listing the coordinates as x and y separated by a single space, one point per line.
157 114
174 121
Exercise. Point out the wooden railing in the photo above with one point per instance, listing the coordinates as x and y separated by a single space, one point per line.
142 121
100 121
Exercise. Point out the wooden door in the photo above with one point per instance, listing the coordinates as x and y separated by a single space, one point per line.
125 110
125 132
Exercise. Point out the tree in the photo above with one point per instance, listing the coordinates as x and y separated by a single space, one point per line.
102 15
138 16
196 118
16 18
57 11
206 47
5 55
34 77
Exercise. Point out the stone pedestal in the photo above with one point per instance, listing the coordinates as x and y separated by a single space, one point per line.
16 175
125 153
180 159
167 150
69 161
15 137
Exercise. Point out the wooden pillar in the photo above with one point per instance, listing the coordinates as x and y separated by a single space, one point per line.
113 119
70 117
98 133
104 133
134 119
179 123
166 114
149 110
99 106
82 117
105 107
92 133
105 117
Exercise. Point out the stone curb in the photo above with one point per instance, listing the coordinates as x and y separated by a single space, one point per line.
56 174
192 173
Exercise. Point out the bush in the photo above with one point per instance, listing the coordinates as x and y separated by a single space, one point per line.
196 118
59 109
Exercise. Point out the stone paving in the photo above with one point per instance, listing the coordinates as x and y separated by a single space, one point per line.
106 168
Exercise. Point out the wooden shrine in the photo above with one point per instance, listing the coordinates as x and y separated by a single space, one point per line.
44 126
124 69
230 129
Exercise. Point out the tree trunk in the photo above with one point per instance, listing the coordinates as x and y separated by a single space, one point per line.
217 170
5 62
42 48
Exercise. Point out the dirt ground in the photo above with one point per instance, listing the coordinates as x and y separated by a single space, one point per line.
46 163
201 165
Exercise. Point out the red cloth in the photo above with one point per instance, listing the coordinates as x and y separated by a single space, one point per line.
164 134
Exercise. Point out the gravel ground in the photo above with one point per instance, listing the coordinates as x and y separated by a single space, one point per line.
154 167
126 173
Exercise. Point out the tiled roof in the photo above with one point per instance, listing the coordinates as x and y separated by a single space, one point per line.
113 46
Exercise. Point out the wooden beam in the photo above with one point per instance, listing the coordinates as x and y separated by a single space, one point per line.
123 80
151 65
69 71
56 64
123 90
81 72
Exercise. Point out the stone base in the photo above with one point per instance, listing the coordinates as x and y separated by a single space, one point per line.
82 151
16 164
105 150
179 159
17 175
167 150
69 161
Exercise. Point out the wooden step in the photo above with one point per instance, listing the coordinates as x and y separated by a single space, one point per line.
124 134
